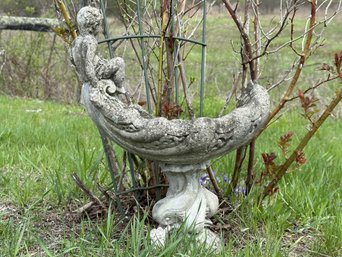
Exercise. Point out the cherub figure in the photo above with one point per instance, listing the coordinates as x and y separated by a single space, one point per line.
90 67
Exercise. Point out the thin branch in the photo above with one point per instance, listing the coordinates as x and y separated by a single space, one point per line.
269 40
245 38
314 87
85 190
214 182
185 86
239 158
230 94
285 76
297 38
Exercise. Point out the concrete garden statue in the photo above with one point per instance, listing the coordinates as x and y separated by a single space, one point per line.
181 147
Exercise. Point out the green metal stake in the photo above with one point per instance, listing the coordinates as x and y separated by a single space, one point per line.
203 57
175 53
105 30
105 141
111 166
151 36
131 169
142 47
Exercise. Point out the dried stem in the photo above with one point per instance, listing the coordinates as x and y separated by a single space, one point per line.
245 38
164 24
251 154
110 156
250 169
85 190
257 35
230 94
214 182
67 18
247 58
239 158
120 186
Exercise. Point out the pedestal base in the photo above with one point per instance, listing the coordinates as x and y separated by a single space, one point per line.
186 204
209 238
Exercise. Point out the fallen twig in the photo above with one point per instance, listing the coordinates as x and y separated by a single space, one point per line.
85 190
84 208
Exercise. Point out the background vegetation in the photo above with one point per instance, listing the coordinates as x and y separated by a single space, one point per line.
43 142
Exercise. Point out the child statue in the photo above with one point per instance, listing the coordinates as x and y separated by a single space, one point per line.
90 67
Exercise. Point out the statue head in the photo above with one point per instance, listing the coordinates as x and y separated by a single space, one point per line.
89 20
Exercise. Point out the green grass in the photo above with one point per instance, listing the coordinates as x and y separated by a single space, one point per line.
39 150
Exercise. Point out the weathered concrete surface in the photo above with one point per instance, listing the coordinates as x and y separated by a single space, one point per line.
178 141
27 23
186 201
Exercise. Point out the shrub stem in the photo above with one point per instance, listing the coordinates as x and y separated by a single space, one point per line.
315 126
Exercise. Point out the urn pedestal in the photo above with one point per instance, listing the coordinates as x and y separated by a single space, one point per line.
187 204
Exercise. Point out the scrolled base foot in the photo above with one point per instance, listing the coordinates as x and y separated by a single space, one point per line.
207 237
210 239
158 236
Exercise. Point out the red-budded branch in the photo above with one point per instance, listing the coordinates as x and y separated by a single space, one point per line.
315 126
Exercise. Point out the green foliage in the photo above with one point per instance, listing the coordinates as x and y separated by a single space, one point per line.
35 65
24 7
27 72
40 149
